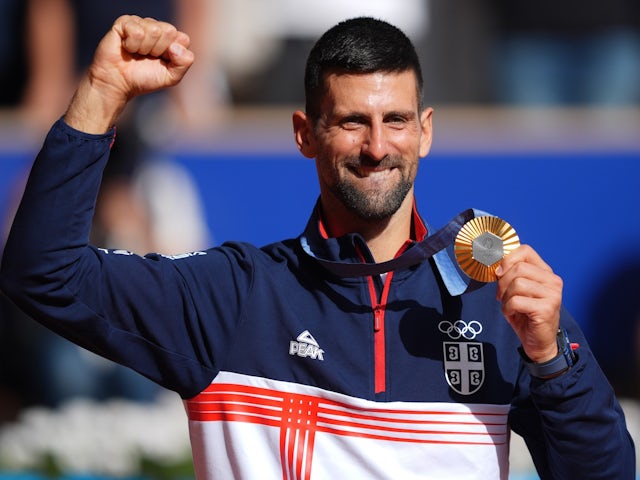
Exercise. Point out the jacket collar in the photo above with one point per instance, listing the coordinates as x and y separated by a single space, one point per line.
317 243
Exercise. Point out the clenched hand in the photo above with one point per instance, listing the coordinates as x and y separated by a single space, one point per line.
137 56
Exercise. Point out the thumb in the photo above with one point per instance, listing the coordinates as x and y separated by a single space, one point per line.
179 59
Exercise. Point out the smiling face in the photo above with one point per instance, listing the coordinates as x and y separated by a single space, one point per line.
367 144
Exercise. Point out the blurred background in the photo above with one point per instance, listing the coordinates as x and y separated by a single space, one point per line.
537 120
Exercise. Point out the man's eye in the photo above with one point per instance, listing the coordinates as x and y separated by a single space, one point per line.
354 119
352 122
397 119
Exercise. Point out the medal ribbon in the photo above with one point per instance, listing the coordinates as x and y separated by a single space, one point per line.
421 251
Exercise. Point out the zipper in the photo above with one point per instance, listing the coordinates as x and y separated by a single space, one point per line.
379 350
379 310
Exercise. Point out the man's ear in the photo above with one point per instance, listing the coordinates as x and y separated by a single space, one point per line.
426 126
304 134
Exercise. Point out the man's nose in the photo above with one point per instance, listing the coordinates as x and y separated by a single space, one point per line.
375 145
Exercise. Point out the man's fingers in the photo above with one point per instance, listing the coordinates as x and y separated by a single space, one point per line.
147 36
530 297
183 39
529 273
130 31
525 263
156 40
524 253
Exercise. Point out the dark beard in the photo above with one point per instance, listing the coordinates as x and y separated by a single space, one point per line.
368 206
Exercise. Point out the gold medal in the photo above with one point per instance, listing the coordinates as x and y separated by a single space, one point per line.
480 245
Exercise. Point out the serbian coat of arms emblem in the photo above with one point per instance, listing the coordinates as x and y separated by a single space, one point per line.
464 366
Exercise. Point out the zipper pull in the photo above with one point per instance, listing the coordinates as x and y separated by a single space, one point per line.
377 318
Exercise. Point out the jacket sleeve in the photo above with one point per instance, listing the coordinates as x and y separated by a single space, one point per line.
573 424
137 311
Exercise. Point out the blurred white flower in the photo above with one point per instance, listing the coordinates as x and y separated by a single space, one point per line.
105 438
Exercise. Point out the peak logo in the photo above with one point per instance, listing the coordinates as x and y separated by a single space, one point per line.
306 346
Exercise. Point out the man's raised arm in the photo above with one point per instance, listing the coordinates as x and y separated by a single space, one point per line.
47 262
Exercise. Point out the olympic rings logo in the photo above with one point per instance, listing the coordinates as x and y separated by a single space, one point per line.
460 328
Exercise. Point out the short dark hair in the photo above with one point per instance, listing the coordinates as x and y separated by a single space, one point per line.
358 45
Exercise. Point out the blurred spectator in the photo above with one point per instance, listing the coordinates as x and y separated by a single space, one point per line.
13 69
288 29
456 46
573 52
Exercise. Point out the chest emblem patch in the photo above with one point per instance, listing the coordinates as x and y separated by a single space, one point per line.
464 366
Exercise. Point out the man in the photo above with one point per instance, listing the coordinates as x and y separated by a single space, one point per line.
287 369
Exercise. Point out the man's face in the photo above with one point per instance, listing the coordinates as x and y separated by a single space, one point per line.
368 141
